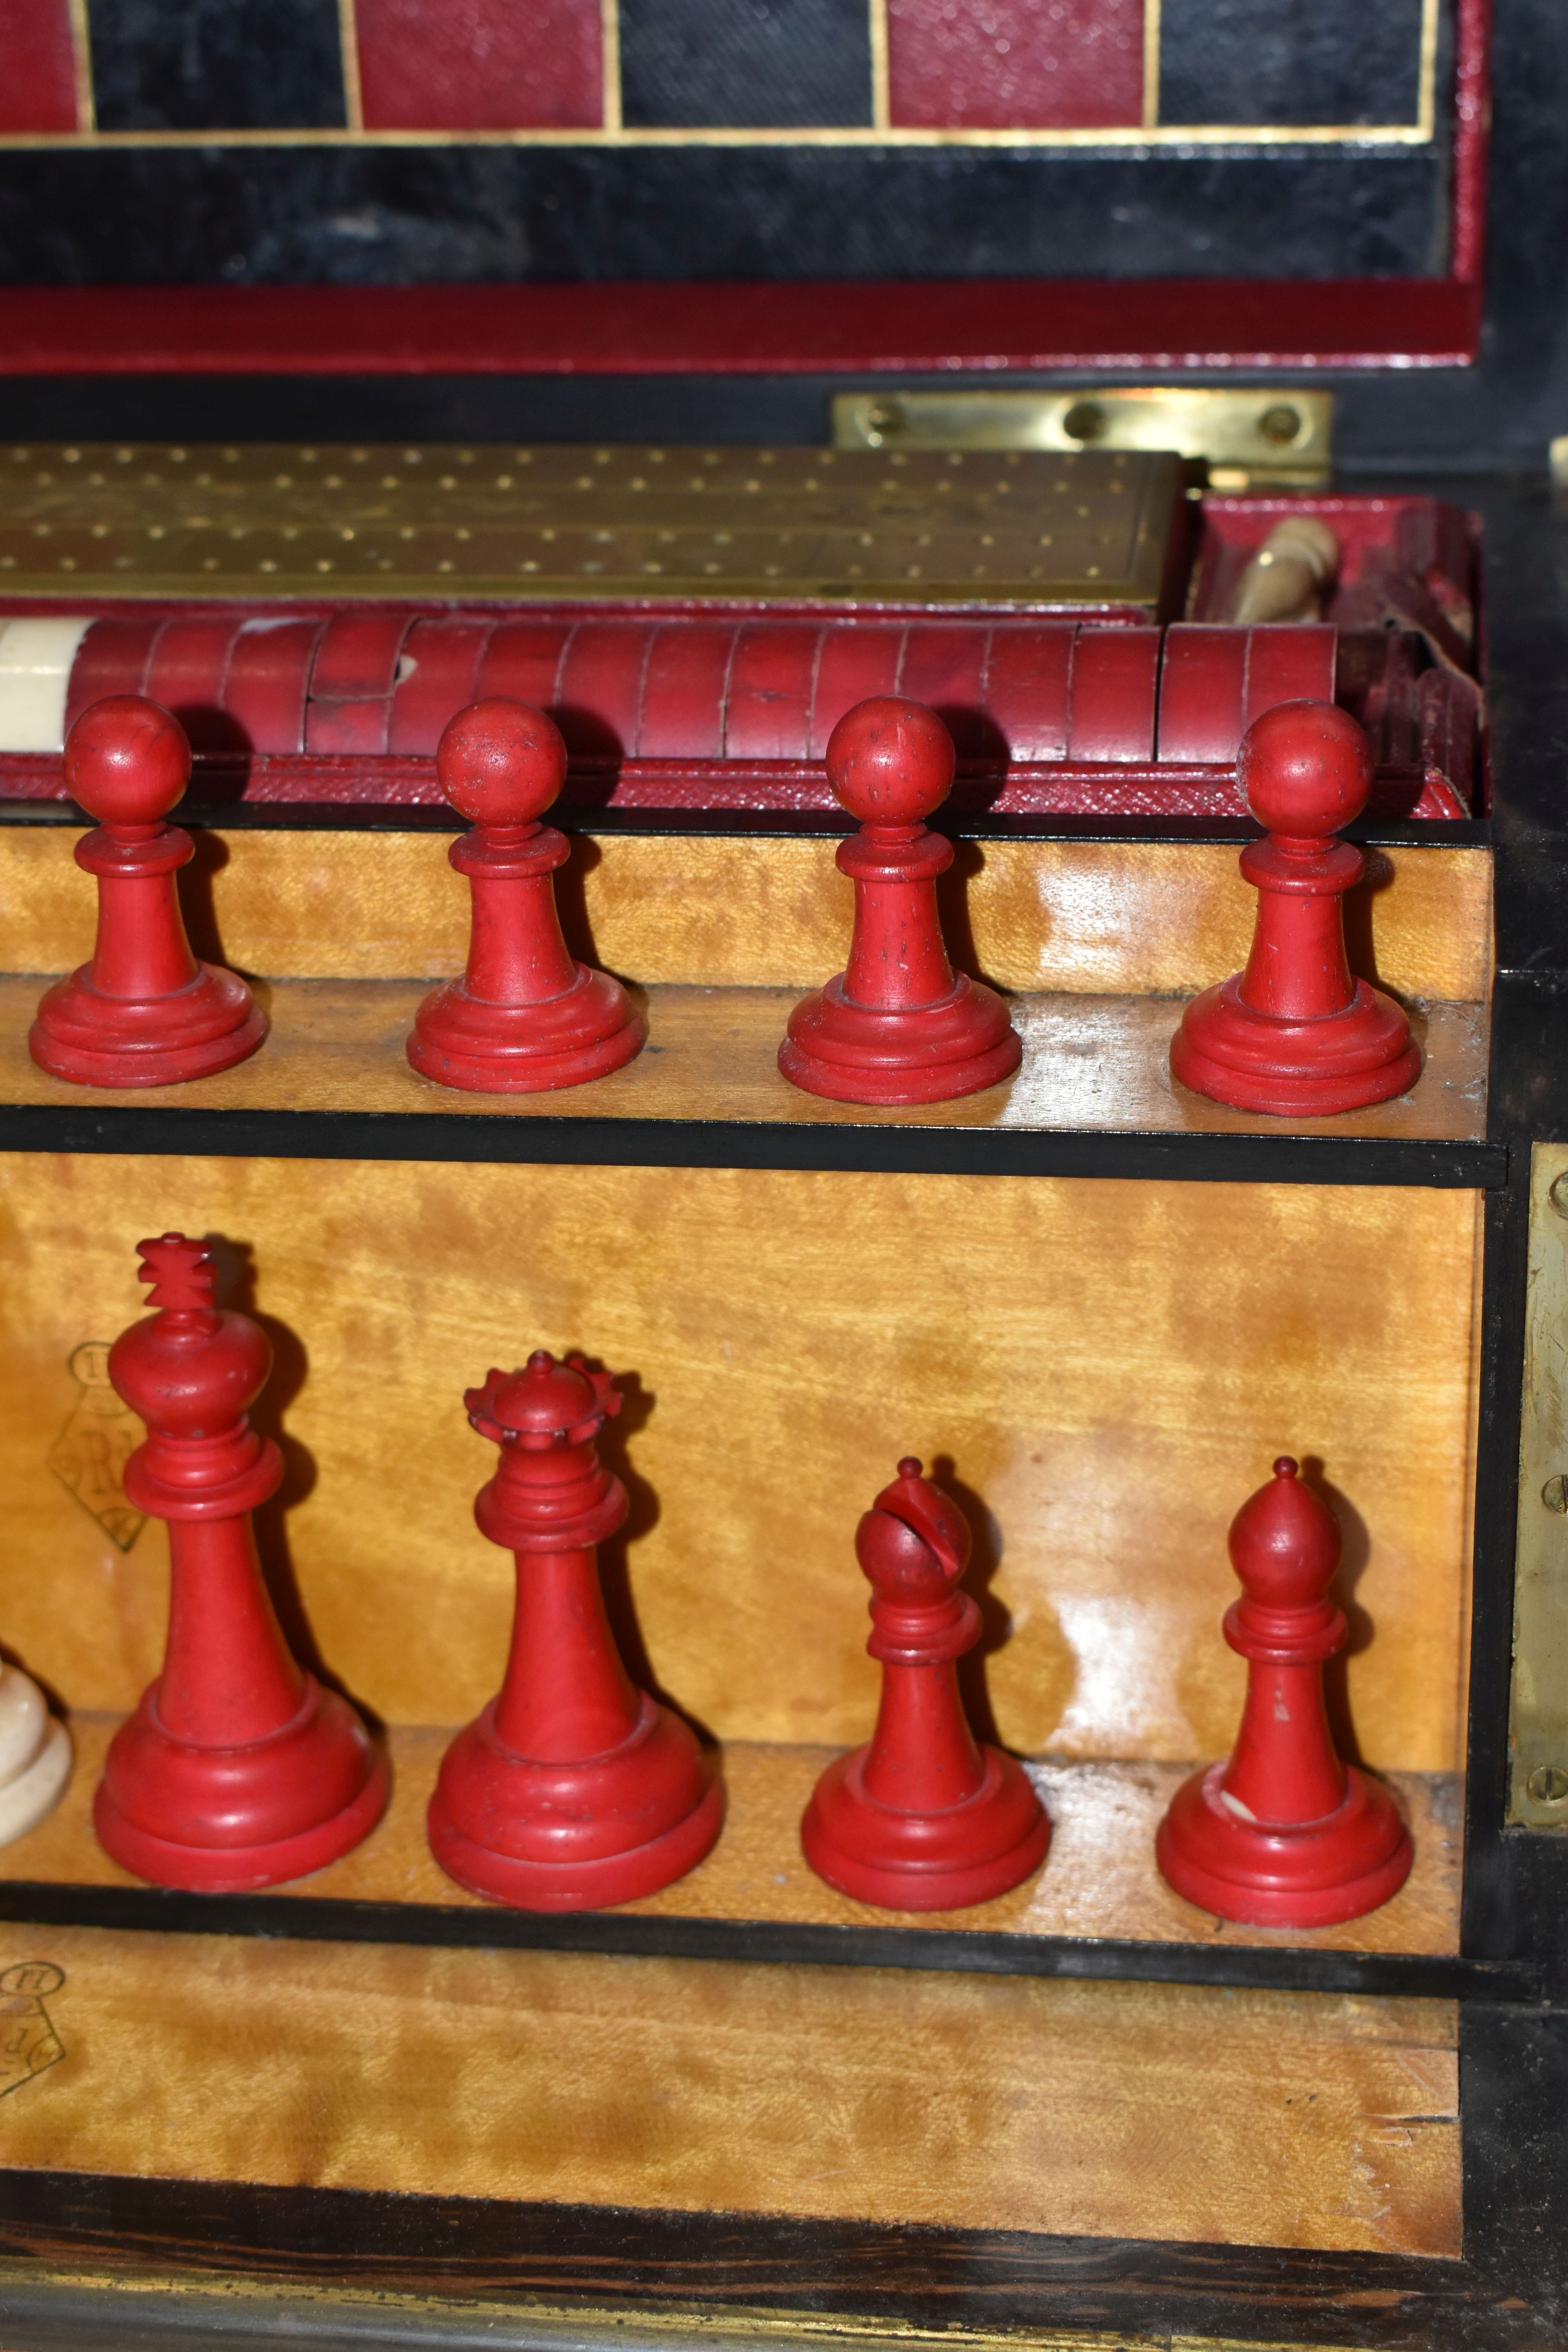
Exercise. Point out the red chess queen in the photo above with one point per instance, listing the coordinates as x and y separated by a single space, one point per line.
143 1012
896 1026
574 1788
1284 1835
1295 1034
238 1769
525 1017
923 1818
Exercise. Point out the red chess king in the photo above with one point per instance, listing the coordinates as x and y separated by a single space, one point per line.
525 1017
1284 1835
896 1027
923 1819
572 1789
1294 1034
238 1769
143 1012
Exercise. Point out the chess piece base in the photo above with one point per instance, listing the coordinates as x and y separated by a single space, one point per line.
1325 1871
516 1049
970 1853
855 1053
35 1756
1255 1061
574 1836
252 1816
94 1040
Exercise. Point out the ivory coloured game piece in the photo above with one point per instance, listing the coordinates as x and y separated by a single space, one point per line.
35 1755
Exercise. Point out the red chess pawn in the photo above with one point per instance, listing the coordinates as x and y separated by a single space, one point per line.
143 1012
574 1788
238 1769
525 1017
1294 1033
923 1819
1284 1835
896 1027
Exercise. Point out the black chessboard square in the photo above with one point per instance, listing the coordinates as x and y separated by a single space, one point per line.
1279 63
793 65
217 65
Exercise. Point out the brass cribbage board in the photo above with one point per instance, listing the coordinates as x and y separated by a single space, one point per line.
1089 529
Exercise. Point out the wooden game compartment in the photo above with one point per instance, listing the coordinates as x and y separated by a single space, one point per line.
1098 933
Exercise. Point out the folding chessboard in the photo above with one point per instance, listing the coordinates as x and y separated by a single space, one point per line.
748 2105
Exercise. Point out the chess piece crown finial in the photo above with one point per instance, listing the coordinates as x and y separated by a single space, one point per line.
546 1404
1284 1545
180 1274
501 764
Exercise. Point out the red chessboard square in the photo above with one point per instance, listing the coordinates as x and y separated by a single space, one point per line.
1015 65
480 65
37 87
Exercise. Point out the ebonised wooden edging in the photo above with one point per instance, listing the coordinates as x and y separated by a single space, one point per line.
310 1918
754 824
546 1139
498 2256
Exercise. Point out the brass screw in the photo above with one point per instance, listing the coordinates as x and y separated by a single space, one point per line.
1086 420
884 419
1281 425
1558 1196
1548 1784
1554 1494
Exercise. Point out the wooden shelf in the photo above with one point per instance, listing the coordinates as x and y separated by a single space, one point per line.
1094 1096
1098 1908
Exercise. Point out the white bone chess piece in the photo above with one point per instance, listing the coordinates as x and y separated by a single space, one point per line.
35 1755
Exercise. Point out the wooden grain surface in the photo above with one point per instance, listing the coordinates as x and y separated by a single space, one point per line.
1099 1878
1118 2111
1140 918
1101 1370
1089 1062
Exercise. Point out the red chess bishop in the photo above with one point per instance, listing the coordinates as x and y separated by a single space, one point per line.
1295 1034
526 1017
923 1818
574 1788
896 1026
238 1769
143 1012
1284 1835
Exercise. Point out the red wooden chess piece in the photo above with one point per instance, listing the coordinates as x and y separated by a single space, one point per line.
143 1012
573 1788
922 1819
1294 1033
238 1769
896 1027
525 1017
1284 1835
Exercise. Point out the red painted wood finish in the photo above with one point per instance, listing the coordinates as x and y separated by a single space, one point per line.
38 89
1295 1032
940 324
574 1788
1015 64
922 1818
143 1012
896 1026
1284 1835
238 1769
525 1017
480 65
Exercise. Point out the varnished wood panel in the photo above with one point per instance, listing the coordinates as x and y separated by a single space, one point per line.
1102 1371
1099 1878
1089 1061
1140 918
1122 2111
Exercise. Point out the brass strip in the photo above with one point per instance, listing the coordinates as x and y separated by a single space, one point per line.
81 63
1538 1714
1222 135
348 44
1151 64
